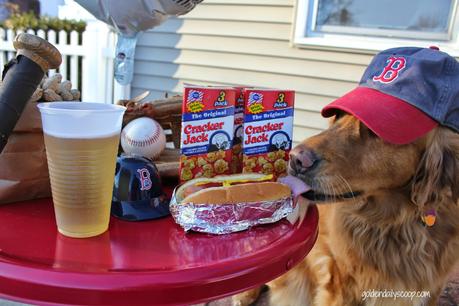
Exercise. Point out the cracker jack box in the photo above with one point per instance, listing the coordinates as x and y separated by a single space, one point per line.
268 129
207 131
236 164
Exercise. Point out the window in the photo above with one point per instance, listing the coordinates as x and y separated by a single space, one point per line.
382 22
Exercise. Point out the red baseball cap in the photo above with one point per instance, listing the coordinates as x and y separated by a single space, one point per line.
404 93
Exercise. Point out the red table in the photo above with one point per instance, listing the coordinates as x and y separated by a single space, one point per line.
134 263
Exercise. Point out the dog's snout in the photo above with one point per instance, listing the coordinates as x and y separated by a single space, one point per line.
302 159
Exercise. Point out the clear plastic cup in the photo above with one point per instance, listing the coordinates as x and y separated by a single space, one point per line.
81 142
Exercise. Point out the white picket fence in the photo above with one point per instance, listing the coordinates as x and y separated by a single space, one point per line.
87 60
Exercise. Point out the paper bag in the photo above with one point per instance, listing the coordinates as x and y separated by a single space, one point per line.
23 166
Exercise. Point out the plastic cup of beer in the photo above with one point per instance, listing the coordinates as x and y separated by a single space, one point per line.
81 141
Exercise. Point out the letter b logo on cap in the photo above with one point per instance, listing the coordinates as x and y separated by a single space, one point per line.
145 180
392 69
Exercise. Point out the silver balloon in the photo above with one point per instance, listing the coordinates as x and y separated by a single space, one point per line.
129 18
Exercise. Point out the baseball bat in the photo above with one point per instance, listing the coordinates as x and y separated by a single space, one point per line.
21 77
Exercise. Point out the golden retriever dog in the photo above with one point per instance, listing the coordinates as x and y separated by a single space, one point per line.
372 196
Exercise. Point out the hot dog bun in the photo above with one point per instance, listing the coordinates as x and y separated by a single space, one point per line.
242 193
197 184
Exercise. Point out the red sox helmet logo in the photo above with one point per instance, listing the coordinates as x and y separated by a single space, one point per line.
145 180
392 70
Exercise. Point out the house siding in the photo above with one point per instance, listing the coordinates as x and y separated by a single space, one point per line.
245 43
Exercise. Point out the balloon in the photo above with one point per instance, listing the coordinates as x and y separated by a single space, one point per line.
129 18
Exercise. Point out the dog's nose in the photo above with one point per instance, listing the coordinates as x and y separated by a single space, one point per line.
302 158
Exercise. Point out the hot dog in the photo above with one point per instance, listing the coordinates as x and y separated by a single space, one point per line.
233 189
230 203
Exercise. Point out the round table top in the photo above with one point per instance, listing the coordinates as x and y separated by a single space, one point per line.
148 262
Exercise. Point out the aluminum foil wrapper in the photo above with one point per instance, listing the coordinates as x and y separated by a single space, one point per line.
228 218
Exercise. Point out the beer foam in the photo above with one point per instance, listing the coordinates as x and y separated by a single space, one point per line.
81 120
82 136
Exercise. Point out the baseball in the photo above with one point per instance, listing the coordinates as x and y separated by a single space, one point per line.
143 136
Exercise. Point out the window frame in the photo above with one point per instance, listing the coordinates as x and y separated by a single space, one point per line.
354 39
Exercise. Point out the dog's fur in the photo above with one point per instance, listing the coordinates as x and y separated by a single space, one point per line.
375 240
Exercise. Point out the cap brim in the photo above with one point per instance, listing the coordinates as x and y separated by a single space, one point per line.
392 119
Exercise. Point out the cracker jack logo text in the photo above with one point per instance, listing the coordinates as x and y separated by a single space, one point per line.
200 133
259 134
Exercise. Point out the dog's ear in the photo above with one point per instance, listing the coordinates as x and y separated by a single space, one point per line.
437 179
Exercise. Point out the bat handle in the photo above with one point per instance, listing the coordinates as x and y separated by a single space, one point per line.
21 76
38 50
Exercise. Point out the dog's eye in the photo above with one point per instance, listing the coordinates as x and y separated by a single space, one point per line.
339 115
365 131
371 133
